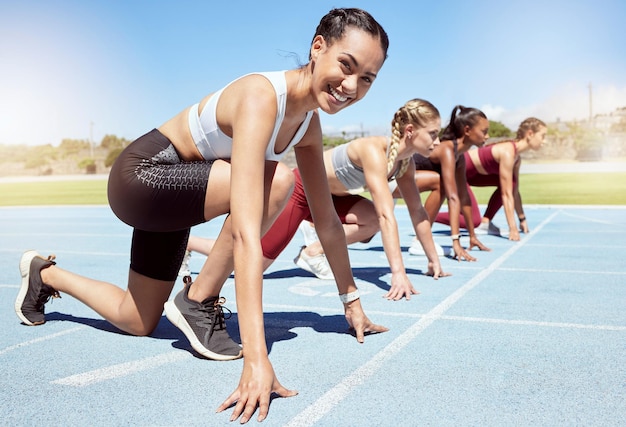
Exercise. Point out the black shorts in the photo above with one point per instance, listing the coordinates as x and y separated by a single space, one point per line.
425 164
159 195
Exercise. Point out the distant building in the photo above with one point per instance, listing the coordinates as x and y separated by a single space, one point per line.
607 122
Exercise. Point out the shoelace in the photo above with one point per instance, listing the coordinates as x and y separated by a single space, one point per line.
215 318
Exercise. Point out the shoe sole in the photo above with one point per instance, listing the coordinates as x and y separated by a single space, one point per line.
27 259
420 252
483 232
303 265
174 315
416 252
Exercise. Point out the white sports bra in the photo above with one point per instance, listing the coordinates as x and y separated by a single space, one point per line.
215 144
349 174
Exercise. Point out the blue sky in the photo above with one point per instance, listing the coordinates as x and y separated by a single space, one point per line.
71 68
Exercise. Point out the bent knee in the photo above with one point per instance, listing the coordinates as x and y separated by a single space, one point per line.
371 228
141 329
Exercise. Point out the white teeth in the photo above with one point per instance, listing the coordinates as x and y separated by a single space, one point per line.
337 96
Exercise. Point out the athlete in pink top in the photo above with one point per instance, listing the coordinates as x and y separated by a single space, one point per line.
497 165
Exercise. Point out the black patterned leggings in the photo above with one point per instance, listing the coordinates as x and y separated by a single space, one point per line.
159 195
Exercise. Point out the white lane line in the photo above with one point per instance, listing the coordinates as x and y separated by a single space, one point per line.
311 308
585 246
536 323
591 219
541 270
122 369
332 397
456 318
38 340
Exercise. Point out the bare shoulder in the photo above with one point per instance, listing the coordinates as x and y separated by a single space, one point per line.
368 148
251 97
503 149
445 150
253 88
369 143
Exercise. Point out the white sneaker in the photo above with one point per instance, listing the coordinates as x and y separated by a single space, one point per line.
487 228
318 265
482 229
184 266
417 249
308 231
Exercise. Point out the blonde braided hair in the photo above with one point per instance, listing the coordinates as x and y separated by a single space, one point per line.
531 123
418 112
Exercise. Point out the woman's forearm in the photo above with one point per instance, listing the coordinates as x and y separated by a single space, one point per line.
509 209
336 253
391 243
454 207
249 295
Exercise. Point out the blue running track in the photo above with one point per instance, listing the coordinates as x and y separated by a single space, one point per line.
532 334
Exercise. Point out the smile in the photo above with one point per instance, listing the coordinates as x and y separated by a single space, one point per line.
337 95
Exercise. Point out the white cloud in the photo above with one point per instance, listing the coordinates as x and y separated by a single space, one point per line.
567 103
494 112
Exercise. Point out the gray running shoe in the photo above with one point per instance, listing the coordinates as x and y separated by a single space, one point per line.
203 325
33 293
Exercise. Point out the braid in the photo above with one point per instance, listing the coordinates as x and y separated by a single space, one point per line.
416 111
531 123
403 167
396 134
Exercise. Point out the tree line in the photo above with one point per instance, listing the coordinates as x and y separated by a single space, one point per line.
576 137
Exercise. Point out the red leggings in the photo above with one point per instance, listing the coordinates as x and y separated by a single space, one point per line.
495 201
474 178
284 228
444 217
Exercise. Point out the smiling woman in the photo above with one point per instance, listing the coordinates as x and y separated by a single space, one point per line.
221 155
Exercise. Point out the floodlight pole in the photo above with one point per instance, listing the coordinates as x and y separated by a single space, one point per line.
590 104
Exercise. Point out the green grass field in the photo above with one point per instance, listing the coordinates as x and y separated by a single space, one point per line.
553 189
92 192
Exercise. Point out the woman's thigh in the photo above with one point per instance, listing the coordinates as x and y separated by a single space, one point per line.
479 180
361 211
151 189
427 180
217 200
278 185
